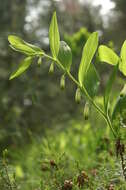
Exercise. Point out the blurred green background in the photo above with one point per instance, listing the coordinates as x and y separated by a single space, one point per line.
33 105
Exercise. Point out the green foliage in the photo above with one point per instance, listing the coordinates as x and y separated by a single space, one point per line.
109 88
7 174
91 81
54 36
88 53
62 56
23 67
88 78
20 45
122 64
119 113
107 55
77 41
57 159
123 91
65 55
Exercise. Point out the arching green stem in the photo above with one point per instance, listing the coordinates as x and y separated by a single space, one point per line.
104 115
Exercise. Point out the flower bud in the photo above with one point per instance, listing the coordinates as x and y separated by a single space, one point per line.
86 111
51 69
62 82
78 95
39 61
5 152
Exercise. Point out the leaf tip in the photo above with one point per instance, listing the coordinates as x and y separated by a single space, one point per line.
54 13
95 33
11 77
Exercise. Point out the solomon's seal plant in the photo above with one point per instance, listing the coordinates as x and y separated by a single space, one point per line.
88 79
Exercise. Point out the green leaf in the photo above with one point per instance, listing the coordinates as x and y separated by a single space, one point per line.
20 45
122 64
65 55
119 114
109 88
23 67
91 81
107 55
123 91
87 56
54 36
